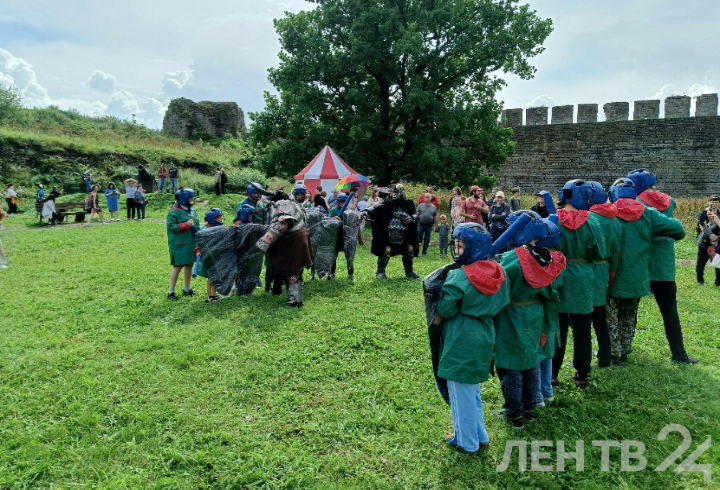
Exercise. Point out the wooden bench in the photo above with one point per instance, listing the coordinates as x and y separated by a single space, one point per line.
65 209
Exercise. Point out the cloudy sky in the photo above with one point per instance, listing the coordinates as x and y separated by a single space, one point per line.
132 57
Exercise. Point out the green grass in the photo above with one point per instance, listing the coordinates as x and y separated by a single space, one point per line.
106 384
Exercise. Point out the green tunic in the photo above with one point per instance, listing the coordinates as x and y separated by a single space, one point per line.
519 325
612 232
551 324
201 266
581 246
181 243
632 279
662 253
334 211
466 347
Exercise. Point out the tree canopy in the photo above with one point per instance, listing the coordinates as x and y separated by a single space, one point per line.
402 89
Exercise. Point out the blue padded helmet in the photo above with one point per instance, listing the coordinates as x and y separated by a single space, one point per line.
299 190
577 192
642 179
254 189
342 197
184 196
478 242
622 187
552 234
245 213
213 217
599 196
536 229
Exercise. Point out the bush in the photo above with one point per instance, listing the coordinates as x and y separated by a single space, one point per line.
238 179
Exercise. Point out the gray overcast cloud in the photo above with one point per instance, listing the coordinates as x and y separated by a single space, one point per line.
131 57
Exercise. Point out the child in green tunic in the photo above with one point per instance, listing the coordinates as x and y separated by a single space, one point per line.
640 225
473 294
181 228
525 327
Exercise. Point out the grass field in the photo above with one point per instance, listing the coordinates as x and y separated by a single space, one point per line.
106 384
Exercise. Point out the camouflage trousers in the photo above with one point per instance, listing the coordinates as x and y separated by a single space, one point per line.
622 321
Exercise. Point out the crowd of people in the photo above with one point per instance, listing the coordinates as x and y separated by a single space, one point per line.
521 281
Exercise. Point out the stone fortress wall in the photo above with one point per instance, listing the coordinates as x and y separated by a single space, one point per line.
683 151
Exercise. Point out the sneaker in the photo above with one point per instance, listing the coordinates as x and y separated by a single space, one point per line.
3 266
529 415
103 222
412 275
549 399
87 224
685 360
188 293
172 297
214 298
540 404
517 422
380 275
700 283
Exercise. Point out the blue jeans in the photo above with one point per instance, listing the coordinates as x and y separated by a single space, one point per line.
140 210
88 186
162 186
173 182
519 389
545 388
424 230
467 416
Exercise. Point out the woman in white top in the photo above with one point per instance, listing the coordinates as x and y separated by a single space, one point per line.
10 198
374 200
131 186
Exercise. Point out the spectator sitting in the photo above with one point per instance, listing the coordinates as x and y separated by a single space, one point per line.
433 198
55 193
49 211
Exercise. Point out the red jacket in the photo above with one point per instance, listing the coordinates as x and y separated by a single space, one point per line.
162 174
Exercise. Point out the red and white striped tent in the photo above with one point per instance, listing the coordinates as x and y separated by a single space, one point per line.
326 169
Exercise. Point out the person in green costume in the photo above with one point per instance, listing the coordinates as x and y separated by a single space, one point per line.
582 244
473 294
606 214
640 225
181 228
662 264
213 217
524 327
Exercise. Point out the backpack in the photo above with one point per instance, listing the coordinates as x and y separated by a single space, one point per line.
88 203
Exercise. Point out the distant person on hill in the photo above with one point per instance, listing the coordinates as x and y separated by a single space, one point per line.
174 175
87 178
3 260
218 179
140 201
92 205
540 207
11 198
223 181
112 195
433 198
515 200
162 174
131 186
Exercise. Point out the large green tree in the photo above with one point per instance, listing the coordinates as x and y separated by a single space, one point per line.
402 89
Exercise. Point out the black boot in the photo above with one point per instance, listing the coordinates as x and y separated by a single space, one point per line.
351 273
408 264
381 264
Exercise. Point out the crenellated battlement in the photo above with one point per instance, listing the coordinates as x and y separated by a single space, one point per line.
675 107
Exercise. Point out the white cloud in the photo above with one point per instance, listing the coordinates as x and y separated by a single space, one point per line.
103 82
6 80
89 108
21 74
541 101
173 82
123 105
152 112
666 90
